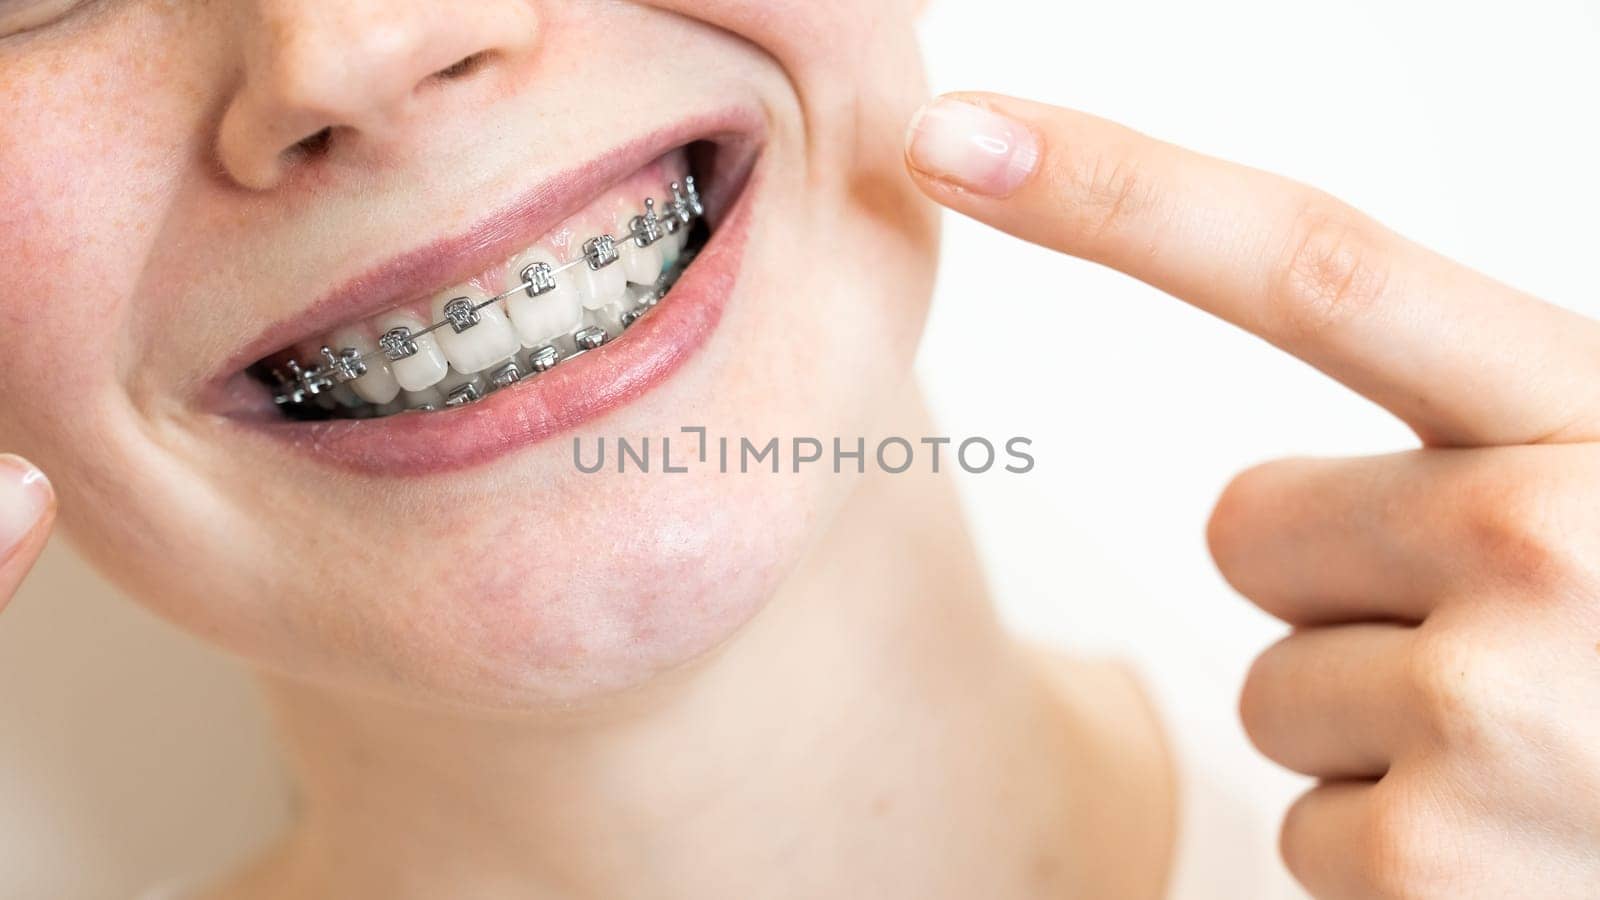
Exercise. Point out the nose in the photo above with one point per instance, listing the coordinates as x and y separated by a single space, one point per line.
330 76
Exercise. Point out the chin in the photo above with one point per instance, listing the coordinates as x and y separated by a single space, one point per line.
654 580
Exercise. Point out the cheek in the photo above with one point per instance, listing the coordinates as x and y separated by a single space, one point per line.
86 161
856 66
857 71
48 229
810 34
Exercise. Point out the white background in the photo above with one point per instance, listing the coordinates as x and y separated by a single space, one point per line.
128 753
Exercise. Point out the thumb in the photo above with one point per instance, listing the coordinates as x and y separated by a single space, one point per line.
27 507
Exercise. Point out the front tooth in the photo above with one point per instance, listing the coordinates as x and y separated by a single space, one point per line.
429 398
457 380
478 345
641 265
599 288
423 370
378 386
549 315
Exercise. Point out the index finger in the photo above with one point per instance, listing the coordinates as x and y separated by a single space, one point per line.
1458 356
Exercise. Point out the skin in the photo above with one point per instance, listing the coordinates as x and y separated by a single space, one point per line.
184 182
456 734
1443 676
539 726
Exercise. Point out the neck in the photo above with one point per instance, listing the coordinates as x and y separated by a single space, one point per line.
864 730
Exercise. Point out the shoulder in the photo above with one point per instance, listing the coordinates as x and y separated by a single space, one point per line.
1127 782
1227 801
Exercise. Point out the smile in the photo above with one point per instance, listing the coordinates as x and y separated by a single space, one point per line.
605 303
548 304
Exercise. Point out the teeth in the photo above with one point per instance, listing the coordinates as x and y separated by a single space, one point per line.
423 369
671 246
471 341
477 339
346 397
640 265
426 399
599 288
539 319
455 380
378 386
459 389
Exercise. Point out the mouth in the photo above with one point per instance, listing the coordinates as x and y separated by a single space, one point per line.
574 352
575 290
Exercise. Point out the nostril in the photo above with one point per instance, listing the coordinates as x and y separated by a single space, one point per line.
462 68
316 144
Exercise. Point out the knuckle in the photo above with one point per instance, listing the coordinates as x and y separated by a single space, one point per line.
1389 848
1335 269
1399 849
1111 193
1481 696
1516 530
1461 691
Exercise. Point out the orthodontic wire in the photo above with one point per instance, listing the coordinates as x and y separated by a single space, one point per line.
685 208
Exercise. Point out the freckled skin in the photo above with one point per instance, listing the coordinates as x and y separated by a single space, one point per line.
138 257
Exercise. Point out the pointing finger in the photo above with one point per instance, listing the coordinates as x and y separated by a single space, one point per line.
1458 356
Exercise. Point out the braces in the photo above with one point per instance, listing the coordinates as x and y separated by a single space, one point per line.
299 384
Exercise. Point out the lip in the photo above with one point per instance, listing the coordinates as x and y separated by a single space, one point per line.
582 389
454 258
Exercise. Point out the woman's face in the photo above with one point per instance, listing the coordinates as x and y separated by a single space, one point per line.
190 188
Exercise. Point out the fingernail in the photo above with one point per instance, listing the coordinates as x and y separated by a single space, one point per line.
976 148
25 496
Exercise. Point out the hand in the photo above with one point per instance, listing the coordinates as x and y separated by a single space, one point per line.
27 508
1443 677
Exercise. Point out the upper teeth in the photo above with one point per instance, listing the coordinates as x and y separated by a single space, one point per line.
472 341
641 258
414 357
378 384
549 305
478 333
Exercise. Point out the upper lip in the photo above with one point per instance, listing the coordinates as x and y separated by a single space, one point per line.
516 225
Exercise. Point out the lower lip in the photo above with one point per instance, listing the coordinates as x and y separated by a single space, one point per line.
574 392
